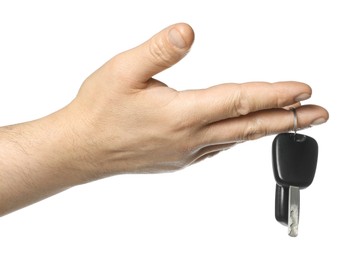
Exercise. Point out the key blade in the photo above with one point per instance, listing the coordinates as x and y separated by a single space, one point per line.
293 211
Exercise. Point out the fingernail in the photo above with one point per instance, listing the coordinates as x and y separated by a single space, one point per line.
318 121
302 97
176 39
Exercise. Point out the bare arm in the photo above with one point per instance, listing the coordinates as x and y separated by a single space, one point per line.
124 121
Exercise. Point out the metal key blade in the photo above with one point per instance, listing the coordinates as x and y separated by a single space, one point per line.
293 211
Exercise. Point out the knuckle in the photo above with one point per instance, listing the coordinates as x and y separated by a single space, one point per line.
240 103
160 55
180 123
254 129
181 129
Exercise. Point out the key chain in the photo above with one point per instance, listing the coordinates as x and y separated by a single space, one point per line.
295 120
294 160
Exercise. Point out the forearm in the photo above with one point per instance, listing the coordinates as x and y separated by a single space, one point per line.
34 162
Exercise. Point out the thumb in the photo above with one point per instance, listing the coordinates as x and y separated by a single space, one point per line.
155 55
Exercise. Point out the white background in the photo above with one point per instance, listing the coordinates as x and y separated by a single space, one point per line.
222 208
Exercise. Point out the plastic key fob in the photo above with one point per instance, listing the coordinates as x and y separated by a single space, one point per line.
294 158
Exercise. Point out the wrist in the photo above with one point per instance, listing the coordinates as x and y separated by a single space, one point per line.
39 159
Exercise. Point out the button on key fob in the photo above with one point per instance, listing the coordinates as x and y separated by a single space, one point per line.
294 158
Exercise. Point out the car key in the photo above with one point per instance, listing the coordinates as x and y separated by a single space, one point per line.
294 159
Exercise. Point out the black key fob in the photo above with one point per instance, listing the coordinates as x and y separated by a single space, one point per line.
294 158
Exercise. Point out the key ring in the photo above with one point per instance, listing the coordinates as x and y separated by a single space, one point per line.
295 120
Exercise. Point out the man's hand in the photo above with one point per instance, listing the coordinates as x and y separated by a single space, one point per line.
131 122
124 121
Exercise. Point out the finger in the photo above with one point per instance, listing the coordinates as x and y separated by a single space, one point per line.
233 100
155 55
262 123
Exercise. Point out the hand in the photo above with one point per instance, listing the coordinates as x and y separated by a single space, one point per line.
124 121
132 123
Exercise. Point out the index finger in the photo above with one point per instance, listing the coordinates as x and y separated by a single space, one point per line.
233 100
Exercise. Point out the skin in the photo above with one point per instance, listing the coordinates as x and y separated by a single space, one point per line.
124 121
